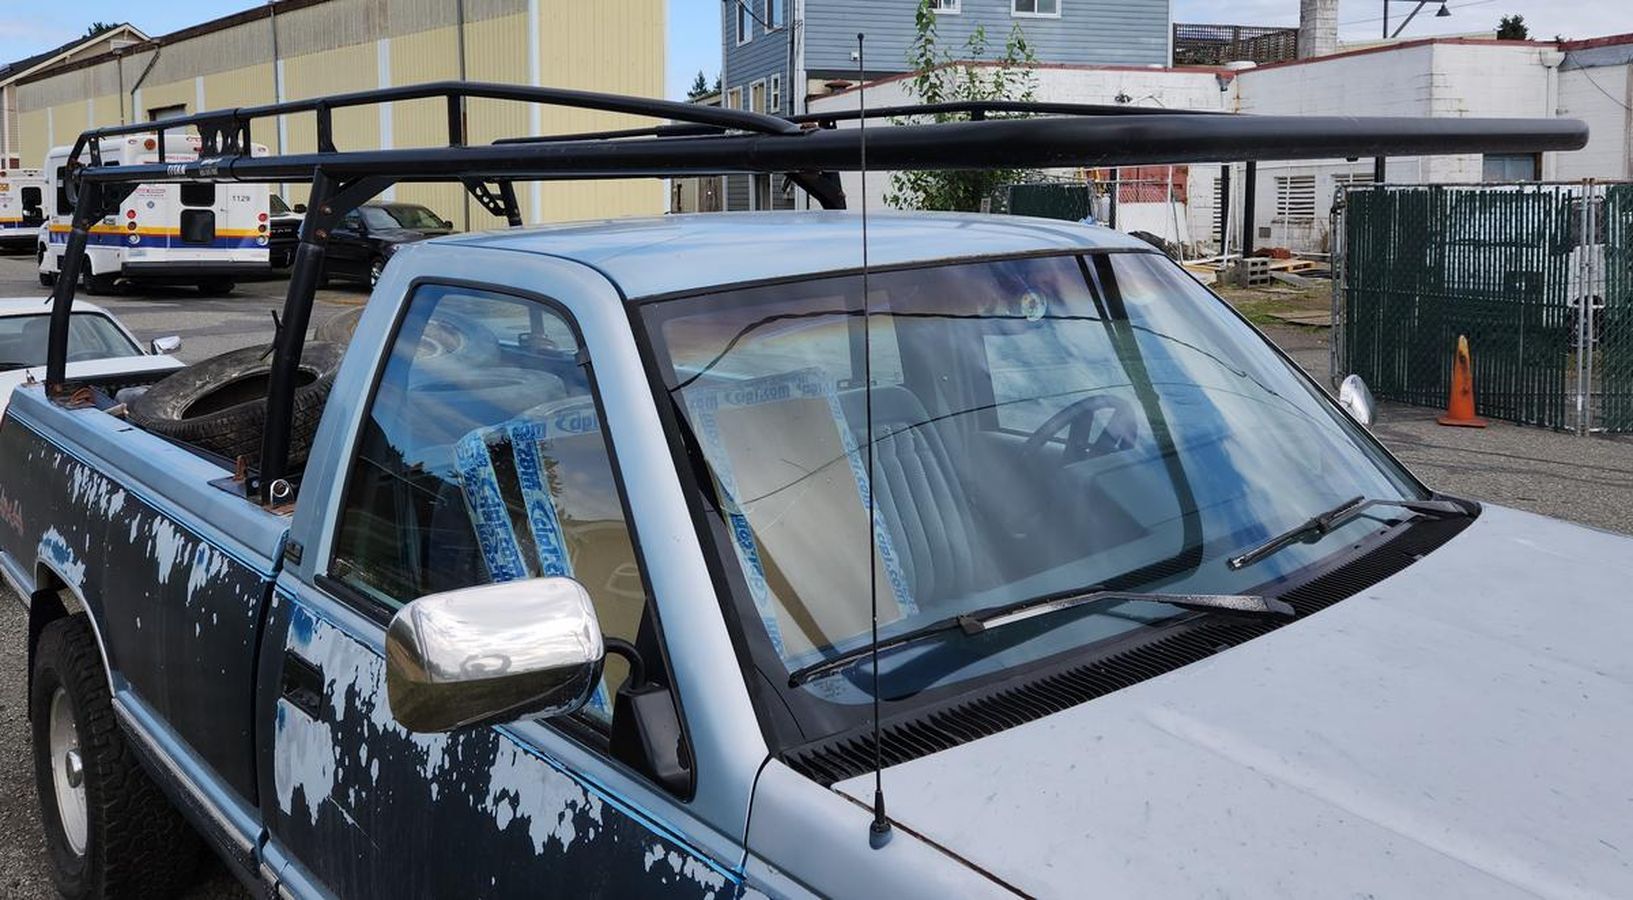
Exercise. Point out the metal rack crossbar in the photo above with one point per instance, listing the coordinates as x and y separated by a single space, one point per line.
697 140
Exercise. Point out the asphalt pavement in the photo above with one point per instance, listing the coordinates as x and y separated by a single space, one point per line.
1587 480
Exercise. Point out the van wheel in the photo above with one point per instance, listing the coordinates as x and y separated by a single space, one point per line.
95 285
220 404
48 279
109 830
217 286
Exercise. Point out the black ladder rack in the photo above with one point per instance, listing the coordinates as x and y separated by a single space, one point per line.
695 140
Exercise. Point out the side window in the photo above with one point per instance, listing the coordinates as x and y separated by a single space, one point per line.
482 460
65 207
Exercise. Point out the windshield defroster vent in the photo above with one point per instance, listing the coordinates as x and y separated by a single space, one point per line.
1033 696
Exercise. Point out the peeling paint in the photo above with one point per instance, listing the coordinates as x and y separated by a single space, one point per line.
67 564
385 787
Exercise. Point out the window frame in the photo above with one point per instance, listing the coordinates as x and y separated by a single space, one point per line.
776 18
950 7
1508 159
745 21
773 89
757 86
737 93
380 613
1017 13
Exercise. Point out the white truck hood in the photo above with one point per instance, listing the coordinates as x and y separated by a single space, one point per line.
1464 728
119 365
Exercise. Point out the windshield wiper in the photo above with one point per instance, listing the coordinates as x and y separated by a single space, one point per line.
1322 524
991 618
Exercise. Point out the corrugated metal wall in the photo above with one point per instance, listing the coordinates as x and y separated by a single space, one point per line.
347 45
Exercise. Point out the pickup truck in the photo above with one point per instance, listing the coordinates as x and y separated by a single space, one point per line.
801 554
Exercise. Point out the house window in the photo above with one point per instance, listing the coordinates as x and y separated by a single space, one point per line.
1049 8
159 113
1510 167
774 95
756 96
944 6
745 23
734 98
774 16
1295 198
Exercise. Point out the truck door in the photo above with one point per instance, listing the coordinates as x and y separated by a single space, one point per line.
479 458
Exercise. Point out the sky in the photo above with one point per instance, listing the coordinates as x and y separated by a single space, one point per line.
30 26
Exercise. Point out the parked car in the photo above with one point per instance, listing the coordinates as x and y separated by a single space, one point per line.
368 236
796 554
98 345
284 234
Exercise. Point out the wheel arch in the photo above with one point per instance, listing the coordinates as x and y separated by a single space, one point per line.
53 598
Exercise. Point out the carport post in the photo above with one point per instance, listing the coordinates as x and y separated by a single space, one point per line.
1250 186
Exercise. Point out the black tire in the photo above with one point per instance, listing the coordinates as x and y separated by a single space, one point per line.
217 286
220 403
134 843
95 285
48 279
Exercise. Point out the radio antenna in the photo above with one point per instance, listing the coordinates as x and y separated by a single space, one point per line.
879 831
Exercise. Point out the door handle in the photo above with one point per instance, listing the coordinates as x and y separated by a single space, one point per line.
302 685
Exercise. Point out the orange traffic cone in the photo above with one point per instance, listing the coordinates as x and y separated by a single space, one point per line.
1460 408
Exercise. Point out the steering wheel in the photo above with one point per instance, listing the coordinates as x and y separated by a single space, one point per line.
1120 432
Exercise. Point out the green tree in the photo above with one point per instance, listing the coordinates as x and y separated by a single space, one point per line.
700 87
940 78
96 28
1513 28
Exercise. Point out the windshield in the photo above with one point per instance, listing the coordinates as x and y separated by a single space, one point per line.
401 216
23 339
1040 425
277 204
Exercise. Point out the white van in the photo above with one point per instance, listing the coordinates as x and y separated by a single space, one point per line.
199 233
22 206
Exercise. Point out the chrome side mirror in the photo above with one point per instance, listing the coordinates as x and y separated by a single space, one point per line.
493 653
168 344
1356 399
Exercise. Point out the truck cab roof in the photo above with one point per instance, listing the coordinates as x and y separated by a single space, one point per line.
677 254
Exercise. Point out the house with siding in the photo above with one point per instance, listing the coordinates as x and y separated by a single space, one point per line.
777 54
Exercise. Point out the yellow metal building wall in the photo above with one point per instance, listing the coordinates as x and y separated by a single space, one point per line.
612 47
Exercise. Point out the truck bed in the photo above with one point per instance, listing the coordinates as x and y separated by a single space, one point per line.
175 573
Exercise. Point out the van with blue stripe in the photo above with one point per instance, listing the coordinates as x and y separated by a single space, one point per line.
203 234
22 208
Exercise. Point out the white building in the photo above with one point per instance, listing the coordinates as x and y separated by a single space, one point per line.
1445 77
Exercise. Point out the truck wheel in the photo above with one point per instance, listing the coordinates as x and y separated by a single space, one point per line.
109 830
220 287
220 404
48 279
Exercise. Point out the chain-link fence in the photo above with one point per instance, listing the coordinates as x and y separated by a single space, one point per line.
1536 276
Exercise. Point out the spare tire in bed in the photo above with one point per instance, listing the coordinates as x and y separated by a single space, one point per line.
220 404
